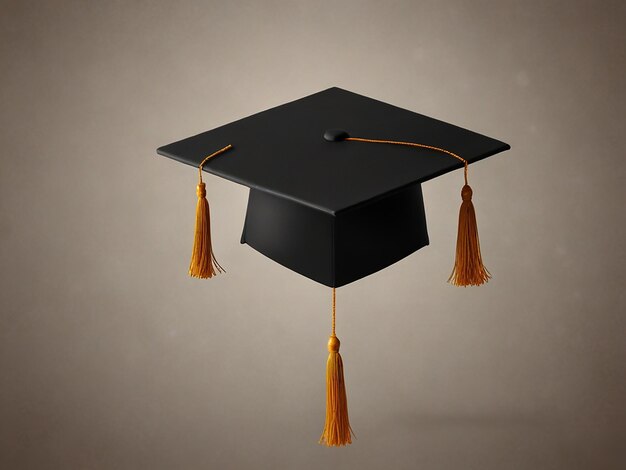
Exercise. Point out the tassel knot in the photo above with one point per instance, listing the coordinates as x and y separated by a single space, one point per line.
201 190
466 193
333 344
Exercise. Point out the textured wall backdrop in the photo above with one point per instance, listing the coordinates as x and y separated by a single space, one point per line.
111 358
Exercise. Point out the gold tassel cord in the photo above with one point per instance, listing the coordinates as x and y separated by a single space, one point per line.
337 431
469 269
203 264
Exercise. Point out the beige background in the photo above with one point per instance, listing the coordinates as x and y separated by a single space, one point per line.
111 358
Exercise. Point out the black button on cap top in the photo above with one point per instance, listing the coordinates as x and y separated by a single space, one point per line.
335 135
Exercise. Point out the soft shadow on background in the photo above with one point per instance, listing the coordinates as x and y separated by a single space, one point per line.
111 358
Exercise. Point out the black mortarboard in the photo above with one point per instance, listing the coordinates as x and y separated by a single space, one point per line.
333 211
329 200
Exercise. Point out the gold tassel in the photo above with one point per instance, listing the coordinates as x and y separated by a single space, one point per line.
203 264
468 266
337 431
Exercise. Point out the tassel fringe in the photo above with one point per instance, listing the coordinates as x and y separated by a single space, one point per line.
468 266
337 431
203 263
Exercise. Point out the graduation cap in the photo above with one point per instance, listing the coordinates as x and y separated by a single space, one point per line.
335 195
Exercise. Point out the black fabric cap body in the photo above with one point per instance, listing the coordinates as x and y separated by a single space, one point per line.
334 211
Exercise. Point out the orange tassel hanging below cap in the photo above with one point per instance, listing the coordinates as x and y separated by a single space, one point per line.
468 265
337 431
203 263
